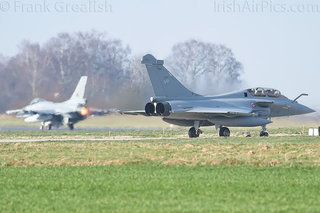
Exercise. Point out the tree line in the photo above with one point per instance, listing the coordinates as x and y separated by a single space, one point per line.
116 78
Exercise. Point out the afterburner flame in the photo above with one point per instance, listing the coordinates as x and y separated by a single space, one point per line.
84 111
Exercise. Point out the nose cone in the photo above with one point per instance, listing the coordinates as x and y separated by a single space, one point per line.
302 109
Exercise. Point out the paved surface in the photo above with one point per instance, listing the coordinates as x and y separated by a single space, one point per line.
118 138
76 138
33 128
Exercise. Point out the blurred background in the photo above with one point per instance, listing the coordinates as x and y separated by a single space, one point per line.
210 46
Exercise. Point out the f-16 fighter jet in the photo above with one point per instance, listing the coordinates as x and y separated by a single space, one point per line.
52 114
180 106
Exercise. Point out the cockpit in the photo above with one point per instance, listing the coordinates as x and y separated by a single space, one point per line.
265 92
36 100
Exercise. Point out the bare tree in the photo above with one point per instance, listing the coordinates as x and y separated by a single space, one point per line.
138 89
31 56
204 67
15 89
53 69
104 60
138 74
115 80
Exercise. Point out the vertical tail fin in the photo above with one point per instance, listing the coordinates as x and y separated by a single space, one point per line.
80 89
163 82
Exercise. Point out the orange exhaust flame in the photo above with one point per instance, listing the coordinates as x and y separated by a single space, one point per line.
84 111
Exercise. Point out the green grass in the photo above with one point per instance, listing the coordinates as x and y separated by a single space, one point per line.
150 188
207 174
276 151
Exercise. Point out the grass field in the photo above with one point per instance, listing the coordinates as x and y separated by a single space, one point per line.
276 151
151 188
208 174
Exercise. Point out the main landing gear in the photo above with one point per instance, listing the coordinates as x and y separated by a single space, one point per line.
224 132
44 124
194 131
264 132
71 127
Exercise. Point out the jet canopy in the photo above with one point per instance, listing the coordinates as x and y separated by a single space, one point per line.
36 100
265 92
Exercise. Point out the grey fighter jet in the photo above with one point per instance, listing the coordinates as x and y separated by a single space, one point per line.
180 106
52 114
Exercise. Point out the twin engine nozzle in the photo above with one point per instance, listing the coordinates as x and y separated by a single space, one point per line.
153 109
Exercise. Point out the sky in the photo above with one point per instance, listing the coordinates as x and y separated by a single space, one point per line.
277 41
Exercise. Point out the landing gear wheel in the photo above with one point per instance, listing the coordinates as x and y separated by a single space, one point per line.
49 126
264 134
193 133
71 127
42 126
224 132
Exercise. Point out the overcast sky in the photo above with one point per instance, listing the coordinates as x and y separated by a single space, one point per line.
278 42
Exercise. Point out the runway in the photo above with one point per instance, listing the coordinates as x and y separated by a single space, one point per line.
34 128
76 137
117 138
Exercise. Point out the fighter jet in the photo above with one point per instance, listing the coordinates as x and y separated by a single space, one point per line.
52 114
180 106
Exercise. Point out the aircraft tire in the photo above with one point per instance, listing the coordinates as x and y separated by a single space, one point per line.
49 126
193 133
224 132
71 127
264 134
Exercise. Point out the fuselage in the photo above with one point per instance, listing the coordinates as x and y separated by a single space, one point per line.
181 106
48 107
57 113
260 108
